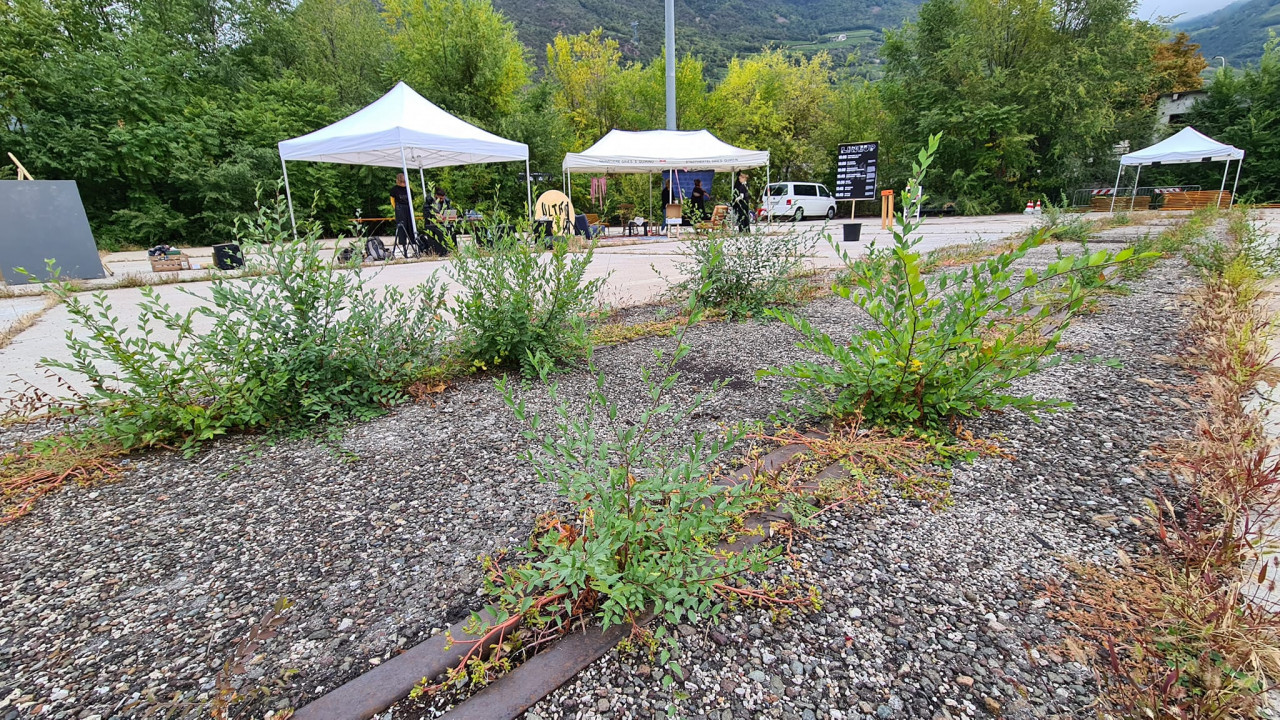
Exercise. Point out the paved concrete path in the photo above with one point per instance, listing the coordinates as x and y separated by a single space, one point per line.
634 273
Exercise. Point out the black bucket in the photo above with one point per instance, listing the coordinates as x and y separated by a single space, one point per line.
852 232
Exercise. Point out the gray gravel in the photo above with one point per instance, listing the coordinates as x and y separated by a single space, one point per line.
942 615
140 589
118 594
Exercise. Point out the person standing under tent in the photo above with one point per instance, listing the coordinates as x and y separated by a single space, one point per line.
698 196
666 200
742 203
403 213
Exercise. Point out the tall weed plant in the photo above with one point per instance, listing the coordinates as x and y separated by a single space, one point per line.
743 275
950 345
299 341
518 303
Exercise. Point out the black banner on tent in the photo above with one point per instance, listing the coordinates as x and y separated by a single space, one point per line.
856 171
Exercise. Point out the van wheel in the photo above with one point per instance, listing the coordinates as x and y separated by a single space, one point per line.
799 214
831 213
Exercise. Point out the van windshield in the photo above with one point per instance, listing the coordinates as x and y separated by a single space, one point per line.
776 190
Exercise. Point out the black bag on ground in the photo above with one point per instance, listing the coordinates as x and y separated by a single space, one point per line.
374 250
431 240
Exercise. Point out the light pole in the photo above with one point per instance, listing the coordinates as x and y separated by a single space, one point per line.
671 65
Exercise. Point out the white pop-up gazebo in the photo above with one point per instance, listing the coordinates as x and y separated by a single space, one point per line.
1186 146
650 151
405 130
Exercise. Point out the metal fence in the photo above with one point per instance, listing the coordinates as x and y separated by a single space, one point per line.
1126 197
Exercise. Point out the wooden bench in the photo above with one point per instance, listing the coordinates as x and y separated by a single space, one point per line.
1196 199
1102 203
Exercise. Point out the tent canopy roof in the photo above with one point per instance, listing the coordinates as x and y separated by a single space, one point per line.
429 136
625 151
1186 146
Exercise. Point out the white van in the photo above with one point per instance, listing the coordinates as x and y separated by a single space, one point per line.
799 200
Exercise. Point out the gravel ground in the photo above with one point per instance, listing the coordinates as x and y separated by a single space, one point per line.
120 597
930 615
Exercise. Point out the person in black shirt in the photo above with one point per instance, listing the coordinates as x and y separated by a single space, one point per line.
404 212
440 203
742 203
698 197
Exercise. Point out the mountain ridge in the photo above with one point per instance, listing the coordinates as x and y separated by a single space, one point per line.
1236 32
715 30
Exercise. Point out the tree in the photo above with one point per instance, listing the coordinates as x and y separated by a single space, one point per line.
461 54
1029 95
1243 109
1178 65
586 74
345 45
776 101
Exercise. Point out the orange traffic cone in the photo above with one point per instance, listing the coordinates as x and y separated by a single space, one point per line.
1037 207
1030 208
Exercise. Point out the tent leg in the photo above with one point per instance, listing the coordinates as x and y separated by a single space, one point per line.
422 182
1134 194
768 180
650 197
408 191
289 196
528 190
1223 187
1116 188
1235 186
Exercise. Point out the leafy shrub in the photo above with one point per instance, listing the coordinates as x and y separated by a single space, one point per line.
517 303
299 341
1059 224
743 275
952 349
645 516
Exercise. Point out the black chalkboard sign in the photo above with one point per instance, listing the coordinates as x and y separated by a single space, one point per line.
856 171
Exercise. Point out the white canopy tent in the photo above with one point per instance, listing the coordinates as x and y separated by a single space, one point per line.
1186 146
650 151
402 129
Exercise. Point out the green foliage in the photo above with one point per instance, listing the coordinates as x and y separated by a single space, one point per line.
461 53
299 341
1242 245
516 304
1060 225
950 345
775 100
743 275
598 92
1024 92
715 30
1242 109
645 518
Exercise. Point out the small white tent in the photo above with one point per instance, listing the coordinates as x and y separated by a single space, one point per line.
1186 146
405 130
650 151
623 151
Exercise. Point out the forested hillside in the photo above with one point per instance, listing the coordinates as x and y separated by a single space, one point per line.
713 29
1237 32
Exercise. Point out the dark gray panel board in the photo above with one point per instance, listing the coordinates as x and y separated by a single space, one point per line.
42 219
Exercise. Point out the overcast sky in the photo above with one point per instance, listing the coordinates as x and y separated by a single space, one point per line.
1148 9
